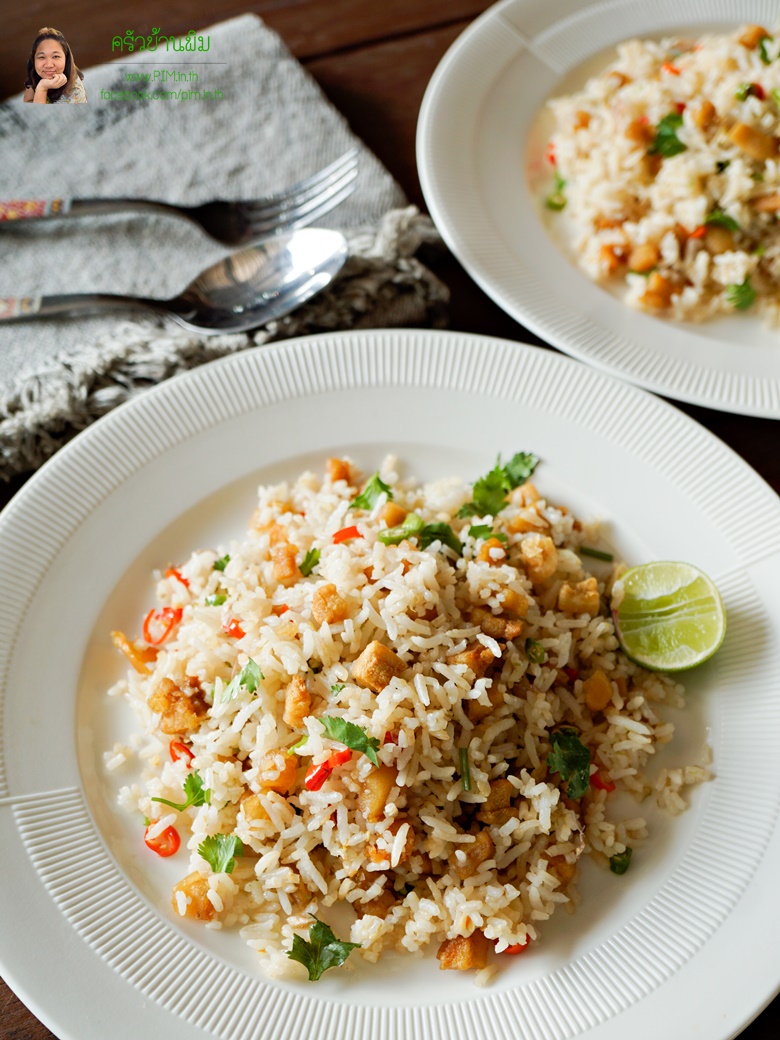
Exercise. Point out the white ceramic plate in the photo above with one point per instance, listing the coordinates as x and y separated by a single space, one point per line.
88 938
478 143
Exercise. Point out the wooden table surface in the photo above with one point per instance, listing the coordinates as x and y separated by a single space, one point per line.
373 60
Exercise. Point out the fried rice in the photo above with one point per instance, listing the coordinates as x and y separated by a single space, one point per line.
667 174
467 649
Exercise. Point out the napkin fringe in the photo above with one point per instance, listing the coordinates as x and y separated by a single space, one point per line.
383 284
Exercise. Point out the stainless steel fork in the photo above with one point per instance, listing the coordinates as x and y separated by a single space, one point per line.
232 223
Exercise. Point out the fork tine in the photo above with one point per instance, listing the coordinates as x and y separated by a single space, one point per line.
305 190
307 211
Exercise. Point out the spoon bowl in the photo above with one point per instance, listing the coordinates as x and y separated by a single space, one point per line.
240 292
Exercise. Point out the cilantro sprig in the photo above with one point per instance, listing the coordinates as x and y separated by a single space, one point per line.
489 493
571 759
667 143
486 531
222 562
309 562
415 527
369 496
220 850
322 950
353 736
248 678
196 793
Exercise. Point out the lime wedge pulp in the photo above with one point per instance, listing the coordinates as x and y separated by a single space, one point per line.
668 616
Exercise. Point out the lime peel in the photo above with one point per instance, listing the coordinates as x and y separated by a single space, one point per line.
668 616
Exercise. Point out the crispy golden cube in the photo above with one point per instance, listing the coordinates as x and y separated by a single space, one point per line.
540 557
284 556
480 850
180 712
375 792
463 952
580 598
297 702
598 691
327 605
195 888
377 666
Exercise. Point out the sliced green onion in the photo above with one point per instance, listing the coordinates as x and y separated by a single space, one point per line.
215 600
620 862
293 750
556 200
411 526
535 652
741 296
465 768
597 554
221 564
337 688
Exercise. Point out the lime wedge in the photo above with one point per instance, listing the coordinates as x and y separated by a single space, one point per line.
668 616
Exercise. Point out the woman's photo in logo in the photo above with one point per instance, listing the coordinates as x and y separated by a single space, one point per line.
52 74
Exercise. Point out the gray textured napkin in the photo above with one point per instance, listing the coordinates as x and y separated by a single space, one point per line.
272 127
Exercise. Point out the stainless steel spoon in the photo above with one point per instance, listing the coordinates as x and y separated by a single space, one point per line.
241 292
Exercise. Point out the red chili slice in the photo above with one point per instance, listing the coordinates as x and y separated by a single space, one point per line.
699 232
550 154
316 776
598 781
158 624
572 674
166 843
232 628
680 106
345 533
338 758
173 573
517 948
389 738
180 751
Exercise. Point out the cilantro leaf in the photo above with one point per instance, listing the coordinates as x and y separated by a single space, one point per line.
741 296
571 759
367 499
322 950
411 526
620 862
489 492
440 532
353 736
717 218
521 467
485 531
195 792
309 562
221 564
667 143
220 850
249 677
